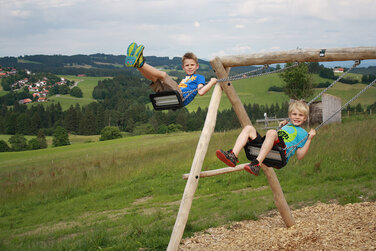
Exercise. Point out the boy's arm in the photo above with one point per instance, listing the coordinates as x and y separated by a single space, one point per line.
283 123
206 87
301 152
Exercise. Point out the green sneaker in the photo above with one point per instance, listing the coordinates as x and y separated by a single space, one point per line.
140 62
134 57
131 49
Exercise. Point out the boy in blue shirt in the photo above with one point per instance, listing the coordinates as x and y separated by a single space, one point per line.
288 136
188 88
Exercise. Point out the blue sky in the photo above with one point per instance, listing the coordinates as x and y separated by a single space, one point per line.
172 27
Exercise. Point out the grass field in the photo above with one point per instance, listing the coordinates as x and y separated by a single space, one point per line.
124 194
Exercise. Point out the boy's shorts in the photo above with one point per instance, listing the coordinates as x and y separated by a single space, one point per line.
259 140
168 84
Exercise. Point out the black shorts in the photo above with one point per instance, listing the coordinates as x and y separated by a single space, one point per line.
259 140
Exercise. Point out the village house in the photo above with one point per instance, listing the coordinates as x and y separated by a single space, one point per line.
25 101
338 69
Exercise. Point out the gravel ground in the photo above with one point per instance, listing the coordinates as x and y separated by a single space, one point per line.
318 227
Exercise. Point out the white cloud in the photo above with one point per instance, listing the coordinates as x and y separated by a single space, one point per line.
20 13
196 24
239 26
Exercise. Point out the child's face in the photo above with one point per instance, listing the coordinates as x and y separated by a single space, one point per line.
190 66
296 117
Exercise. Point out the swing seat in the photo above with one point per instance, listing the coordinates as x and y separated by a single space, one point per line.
276 157
168 100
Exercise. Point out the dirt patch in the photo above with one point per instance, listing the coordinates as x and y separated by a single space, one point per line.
141 200
248 189
319 227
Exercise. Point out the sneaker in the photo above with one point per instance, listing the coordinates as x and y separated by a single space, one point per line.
228 157
134 55
140 62
253 167
131 49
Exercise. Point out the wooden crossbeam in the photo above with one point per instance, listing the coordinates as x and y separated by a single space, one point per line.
300 55
218 171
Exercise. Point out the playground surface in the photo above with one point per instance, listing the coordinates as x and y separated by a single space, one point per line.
318 227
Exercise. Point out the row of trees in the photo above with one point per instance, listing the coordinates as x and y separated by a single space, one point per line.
18 142
137 119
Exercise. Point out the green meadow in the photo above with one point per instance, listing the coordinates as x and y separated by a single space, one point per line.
124 194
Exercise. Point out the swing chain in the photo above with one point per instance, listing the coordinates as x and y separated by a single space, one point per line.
356 63
335 113
244 76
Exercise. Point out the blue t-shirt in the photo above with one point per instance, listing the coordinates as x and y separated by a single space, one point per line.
292 135
190 83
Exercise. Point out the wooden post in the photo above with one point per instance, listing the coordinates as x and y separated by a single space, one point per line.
190 188
279 197
228 88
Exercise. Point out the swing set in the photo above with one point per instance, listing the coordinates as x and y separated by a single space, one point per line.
221 66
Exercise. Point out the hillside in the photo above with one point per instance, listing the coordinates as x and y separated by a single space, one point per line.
124 194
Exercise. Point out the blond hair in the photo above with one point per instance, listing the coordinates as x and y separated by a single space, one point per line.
189 55
301 106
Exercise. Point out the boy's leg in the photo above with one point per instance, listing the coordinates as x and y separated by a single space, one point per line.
270 137
248 132
160 79
230 157
151 73
254 167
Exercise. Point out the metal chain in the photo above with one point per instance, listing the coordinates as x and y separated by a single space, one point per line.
335 113
243 76
357 62
224 80
260 74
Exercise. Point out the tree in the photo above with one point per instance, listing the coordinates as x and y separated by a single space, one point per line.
298 82
60 137
327 73
35 123
110 132
143 129
87 124
76 92
33 144
18 142
4 146
64 89
71 118
42 139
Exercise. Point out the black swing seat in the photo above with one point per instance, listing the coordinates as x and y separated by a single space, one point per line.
167 100
276 157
